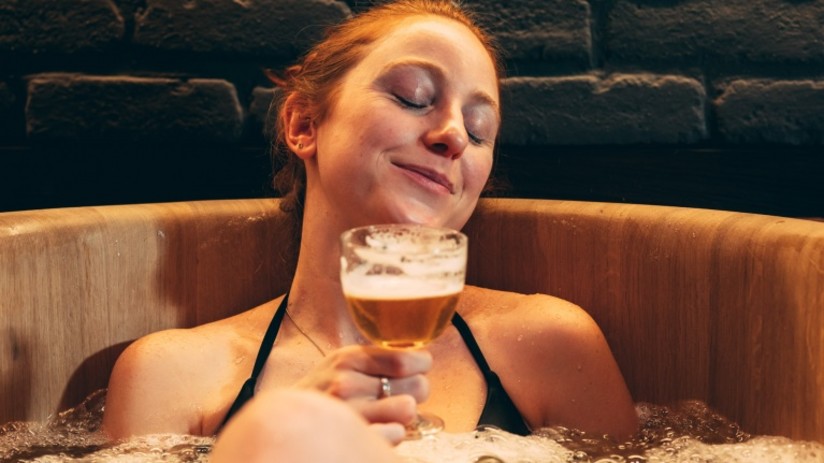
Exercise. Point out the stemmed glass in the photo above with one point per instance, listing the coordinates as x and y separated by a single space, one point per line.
402 284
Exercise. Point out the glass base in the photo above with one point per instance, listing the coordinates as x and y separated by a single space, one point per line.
425 425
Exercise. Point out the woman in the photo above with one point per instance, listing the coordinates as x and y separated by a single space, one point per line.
392 118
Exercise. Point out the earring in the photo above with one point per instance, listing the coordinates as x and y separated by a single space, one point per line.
300 146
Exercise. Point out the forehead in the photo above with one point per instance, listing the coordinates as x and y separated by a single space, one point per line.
443 42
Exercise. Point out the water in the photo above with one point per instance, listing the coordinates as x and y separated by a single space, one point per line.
688 432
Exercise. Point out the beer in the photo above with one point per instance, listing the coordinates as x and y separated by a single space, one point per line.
402 323
402 282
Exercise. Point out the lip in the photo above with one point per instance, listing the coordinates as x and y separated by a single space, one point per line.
432 175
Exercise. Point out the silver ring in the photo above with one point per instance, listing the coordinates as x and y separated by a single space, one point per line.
386 388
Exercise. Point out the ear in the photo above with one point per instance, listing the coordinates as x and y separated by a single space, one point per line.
300 128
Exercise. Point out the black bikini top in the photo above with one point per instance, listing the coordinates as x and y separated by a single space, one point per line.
499 410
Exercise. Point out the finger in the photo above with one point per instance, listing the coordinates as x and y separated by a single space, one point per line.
349 384
415 386
396 409
377 361
392 432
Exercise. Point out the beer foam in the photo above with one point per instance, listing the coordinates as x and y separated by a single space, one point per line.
415 262
398 286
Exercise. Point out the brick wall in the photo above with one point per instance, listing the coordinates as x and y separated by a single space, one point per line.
695 102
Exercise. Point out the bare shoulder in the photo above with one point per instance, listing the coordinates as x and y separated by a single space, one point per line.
164 381
553 359
174 351
525 316
534 329
145 385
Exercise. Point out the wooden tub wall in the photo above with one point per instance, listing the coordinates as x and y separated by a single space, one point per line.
718 306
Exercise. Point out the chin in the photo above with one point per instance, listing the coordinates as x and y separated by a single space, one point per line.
416 215
411 210
429 218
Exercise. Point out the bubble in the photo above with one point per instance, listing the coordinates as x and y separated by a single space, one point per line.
488 459
687 432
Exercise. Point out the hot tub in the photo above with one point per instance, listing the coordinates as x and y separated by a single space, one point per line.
723 307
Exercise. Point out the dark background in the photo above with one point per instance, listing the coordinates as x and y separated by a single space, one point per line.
748 179
678 103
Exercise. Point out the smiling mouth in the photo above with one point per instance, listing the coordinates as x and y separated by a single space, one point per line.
431 175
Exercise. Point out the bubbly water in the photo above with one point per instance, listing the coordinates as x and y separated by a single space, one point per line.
687 432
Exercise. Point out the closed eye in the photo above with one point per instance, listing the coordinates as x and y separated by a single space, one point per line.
479 123
475 139
409 104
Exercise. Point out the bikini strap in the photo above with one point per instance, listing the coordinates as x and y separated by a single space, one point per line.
247 391
269 337
471 344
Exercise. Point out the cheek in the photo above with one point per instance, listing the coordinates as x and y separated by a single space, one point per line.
476 170
379 129
391 127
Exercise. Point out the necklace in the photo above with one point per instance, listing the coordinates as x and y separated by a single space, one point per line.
305 335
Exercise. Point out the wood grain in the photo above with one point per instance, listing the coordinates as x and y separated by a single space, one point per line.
77 284
719 306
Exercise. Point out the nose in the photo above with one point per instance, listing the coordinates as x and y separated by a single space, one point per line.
447 137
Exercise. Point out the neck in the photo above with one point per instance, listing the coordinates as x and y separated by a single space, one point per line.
316 297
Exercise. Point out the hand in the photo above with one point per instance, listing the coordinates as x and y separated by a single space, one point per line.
353 374
388 416
285 424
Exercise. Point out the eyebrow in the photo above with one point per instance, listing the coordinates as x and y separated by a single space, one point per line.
478 95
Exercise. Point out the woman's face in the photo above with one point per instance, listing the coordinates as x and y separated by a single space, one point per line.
410 136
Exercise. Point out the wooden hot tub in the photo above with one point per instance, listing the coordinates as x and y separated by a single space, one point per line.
723 307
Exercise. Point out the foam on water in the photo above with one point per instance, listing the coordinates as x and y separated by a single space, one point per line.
688 432
486 446
502 447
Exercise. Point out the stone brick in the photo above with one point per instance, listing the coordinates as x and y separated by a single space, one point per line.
40 26
539 29
128 8
588 110
281 28
7 113
138 109
756 31
6 99
259 110
756 111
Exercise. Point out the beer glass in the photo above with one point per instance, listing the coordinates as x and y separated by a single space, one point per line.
402 283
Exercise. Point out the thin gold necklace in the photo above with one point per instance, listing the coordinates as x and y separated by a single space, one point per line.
305 335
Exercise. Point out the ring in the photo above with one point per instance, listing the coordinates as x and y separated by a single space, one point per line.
386 388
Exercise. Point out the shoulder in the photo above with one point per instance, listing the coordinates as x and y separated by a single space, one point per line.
144 385
163 381
167 350
538 318
553 359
